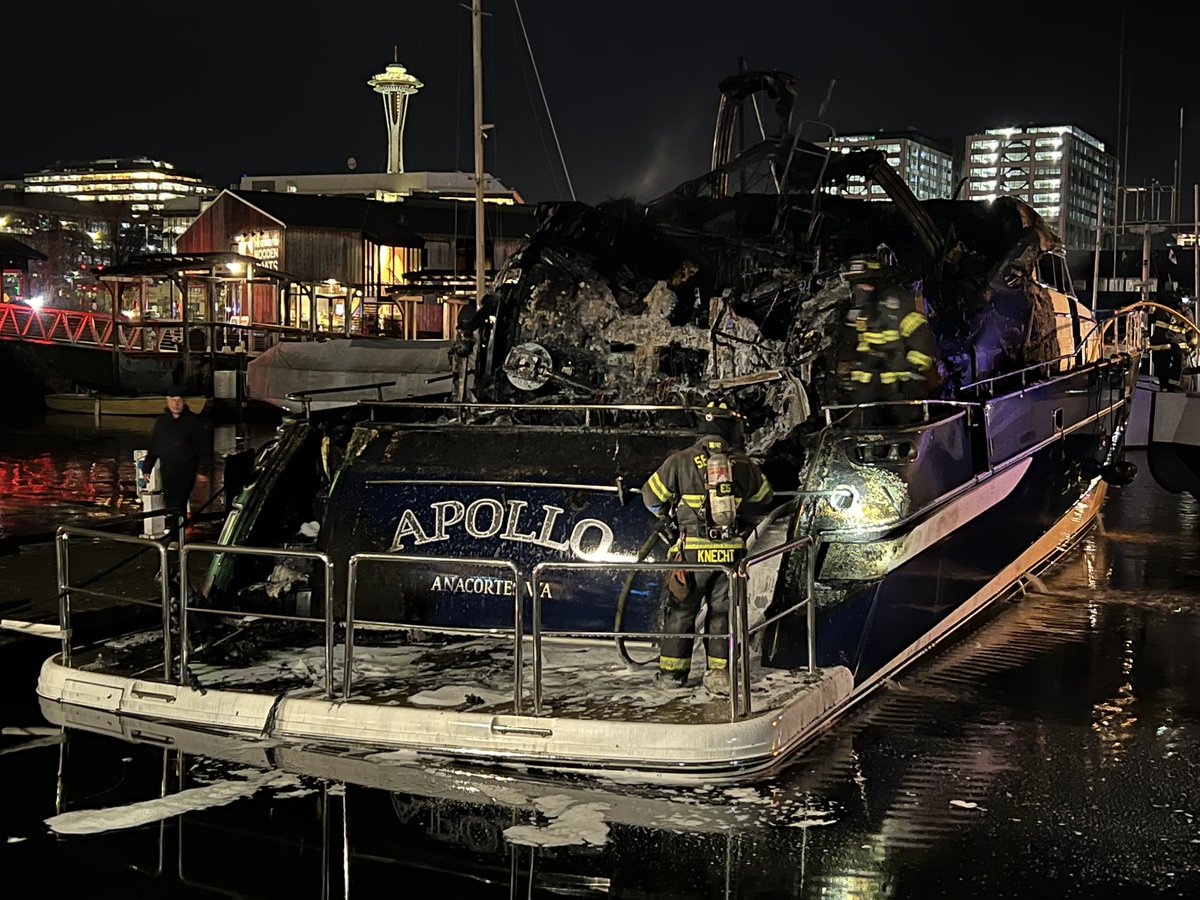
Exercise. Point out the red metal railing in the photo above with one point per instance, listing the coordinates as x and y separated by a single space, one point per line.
19 322
86 328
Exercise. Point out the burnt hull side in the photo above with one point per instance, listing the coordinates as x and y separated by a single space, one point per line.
875 623
868 626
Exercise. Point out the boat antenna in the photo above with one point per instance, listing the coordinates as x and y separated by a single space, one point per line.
545 102
1118 195
1176 205
477 48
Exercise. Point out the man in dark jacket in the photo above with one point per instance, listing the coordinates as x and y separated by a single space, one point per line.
178 441
712 511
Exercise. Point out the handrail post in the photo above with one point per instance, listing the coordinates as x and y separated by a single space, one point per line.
351 588
329 624
537 643
183 598
810 578
743 594
62 558
519 639
165 597
734 646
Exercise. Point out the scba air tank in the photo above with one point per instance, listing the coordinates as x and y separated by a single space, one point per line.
722 507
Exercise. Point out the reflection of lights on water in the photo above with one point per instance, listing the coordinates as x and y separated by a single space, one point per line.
1168 734
1113 719
1189 514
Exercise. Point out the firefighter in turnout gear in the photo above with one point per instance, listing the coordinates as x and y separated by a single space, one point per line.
1170 341
887 348
715 493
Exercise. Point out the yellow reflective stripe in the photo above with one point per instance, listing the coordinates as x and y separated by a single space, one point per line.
674 663
701 543
860 376
921 360
715 662
911 323
862 347
887 336
763 489
660 489
693 504
893 377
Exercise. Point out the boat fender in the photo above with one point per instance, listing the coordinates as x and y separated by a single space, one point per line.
1119 474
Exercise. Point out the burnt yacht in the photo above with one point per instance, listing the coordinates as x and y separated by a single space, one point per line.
478 579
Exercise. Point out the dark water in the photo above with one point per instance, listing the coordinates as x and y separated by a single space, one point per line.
1052 752
61 467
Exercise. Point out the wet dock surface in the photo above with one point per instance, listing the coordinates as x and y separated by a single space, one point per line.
1052 751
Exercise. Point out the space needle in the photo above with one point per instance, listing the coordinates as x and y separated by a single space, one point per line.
395 84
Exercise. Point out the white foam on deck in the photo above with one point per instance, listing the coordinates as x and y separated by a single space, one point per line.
459 695
478 675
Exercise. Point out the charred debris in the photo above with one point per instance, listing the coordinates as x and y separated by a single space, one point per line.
735 282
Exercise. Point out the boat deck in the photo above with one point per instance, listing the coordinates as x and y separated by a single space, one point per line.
454 698
580 680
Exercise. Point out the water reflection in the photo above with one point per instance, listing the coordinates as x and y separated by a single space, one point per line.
70 467
1048 753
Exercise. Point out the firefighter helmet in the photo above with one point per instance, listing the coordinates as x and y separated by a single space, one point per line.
863 268
721 418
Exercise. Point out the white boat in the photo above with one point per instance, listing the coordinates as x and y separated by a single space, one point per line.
107 405
330 372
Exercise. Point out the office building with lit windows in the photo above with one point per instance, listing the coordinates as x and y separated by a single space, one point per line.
145 184
926 164
1059 170
130 193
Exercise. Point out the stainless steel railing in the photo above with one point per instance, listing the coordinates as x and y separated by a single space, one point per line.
736 585
306 397
62 554
738 637
271 552
394 558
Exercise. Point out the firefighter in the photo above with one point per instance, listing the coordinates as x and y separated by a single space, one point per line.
714 492
888 348
1170 341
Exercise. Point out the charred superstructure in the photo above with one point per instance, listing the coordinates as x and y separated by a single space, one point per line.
747 292
936 411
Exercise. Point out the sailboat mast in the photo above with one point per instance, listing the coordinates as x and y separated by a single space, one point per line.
477 46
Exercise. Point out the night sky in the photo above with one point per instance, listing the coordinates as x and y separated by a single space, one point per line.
224 89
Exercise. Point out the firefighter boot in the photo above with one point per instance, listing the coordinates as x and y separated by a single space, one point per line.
670 680
716 682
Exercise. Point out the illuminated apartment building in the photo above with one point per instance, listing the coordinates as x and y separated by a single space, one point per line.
1059 170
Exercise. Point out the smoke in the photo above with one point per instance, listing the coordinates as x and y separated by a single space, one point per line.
675 151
